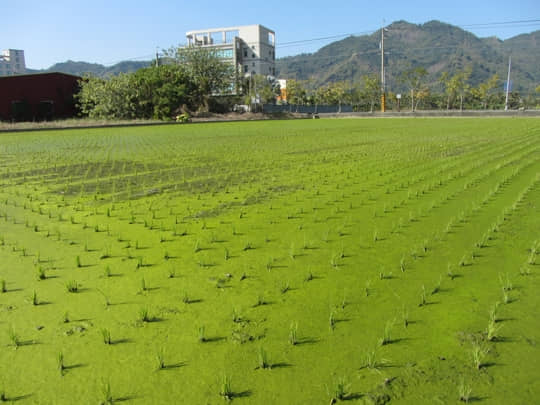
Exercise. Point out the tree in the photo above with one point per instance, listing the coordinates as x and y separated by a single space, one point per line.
371 89
335 93
211 75
153 92
482 92
455 86
112 98
296 93
264 88
414 78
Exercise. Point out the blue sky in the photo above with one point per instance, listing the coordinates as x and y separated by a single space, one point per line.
114 30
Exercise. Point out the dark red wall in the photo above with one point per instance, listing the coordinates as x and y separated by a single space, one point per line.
25 97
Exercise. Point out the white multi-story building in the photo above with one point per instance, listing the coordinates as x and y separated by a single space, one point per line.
251 48
12 62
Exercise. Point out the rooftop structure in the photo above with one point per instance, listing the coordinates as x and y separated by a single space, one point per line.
251 48
12 62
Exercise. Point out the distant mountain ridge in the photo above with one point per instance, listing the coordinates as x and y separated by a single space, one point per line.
435 45
95 69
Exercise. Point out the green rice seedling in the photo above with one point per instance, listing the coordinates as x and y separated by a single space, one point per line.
479 353
201 334
106 253
367 287
107 302
334 261
344 301
423 301
160 359
506 284
140 262
60 363
532 259
227 254
437 287
143 315
185 298
78 261
332 320
402 264
226 390
270 263
386 337
236 318
171 273
340 391
260 301
34 298
506 296
247 246
106 335
264 363
493 330
449 272
106 394
197 246
72 286
293 334
524 271
463 261
493 315
464 391
309 276
375 236
2 286
14 338
3 396
107 271
284 287
371 360
405 316
65 317
143 286
292 252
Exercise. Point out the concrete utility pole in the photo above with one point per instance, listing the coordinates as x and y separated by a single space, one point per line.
508 83
383 89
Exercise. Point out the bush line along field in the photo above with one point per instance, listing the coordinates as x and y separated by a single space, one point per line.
292 262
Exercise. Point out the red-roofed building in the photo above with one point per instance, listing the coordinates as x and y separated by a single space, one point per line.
38 97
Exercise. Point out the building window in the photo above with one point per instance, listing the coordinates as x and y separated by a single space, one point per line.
253 55
252 63
246 68
245 53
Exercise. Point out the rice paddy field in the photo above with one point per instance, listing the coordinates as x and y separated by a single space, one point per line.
279 262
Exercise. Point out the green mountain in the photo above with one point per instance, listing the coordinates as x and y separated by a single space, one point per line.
95 69
436 46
